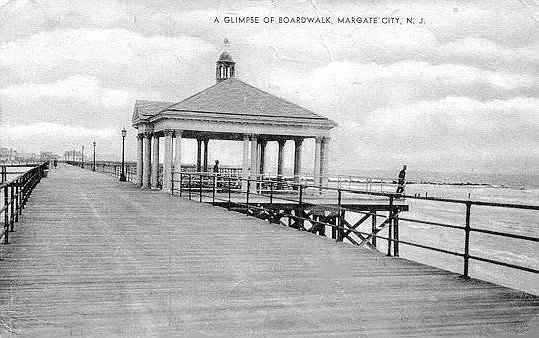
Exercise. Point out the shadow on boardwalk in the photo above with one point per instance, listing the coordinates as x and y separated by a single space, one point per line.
93 256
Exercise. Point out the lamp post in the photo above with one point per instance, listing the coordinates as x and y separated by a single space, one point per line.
82 158
122 175
93 168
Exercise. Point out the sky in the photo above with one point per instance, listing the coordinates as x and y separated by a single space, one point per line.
456 93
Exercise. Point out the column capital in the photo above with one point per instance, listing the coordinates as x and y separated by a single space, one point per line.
140 136
298 140
147 134
168 132
178 133
326 139
281 142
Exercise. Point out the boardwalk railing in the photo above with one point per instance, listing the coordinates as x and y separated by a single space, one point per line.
110 168
15 194
9 170
302 208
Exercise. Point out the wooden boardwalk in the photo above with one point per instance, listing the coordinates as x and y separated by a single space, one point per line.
95 257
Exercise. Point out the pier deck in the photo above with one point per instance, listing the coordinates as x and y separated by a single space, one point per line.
93 256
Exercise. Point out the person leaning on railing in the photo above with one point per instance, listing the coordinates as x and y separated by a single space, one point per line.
402 181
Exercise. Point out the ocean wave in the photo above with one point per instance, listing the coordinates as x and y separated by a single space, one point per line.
418 226
506 255
455 184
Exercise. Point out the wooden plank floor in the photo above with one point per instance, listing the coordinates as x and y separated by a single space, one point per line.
96 257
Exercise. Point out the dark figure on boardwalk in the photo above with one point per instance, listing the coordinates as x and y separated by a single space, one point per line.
402 181
55 163
216 172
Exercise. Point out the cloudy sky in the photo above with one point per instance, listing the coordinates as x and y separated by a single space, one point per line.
457 93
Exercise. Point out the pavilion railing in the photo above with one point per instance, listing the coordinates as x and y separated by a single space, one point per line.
14 194
256 196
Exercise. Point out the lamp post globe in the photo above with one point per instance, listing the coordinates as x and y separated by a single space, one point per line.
122 174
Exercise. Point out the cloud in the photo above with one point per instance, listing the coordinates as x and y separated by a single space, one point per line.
56 137
40 130
116 56
461 118
78 87
453 132
346 89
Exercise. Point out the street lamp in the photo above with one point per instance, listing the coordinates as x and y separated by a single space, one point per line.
82 158
93 168
122 175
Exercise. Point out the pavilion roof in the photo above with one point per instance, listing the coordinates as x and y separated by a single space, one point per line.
145 109
235 97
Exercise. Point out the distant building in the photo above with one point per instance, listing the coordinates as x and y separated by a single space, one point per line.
73 155
8 155
46 155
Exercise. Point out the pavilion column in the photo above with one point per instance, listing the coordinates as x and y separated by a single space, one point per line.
146 171
324 157
297 159
245 163
167 164
280 159
316 171
178 154
254 158
206 141
199 155
140 158
155 160
262 159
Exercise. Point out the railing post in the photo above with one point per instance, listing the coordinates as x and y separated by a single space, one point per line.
17 199
12 206
200 188
271 192
340 218
6 217
390 226
396 233
190 186
172 183
229 192
181 186
247 198
214 187
467 239
299 212
373 227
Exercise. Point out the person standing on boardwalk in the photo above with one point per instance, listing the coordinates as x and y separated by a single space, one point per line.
401 182
55 163
216 171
